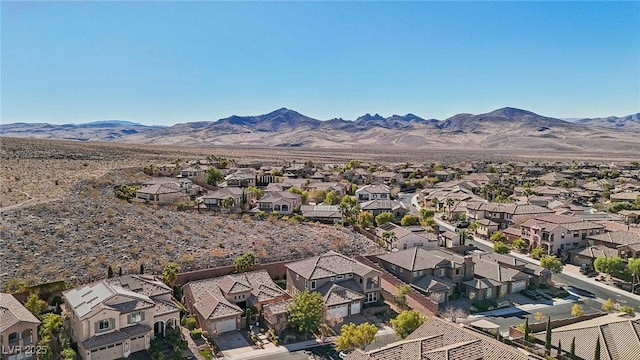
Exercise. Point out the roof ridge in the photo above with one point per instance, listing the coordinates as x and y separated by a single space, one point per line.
604 339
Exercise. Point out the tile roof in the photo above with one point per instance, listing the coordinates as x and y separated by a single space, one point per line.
494 271
208 294
327 265
12 312
164 188
619 337
374 189
224 193
618 237
339 293
324 211
436 339
422 259
279 307
429 283
595 252
115 336
91 298
382 205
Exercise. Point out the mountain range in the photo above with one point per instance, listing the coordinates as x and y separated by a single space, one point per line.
506 128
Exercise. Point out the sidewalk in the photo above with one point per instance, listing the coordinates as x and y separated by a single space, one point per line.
566 271
516 309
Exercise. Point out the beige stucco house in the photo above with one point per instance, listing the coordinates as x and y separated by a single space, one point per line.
114 318
18 329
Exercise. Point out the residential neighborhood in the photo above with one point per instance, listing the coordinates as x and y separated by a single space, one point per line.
457 245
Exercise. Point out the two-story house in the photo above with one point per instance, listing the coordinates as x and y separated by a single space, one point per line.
345 284
539 275
373 192
557 233
400 238
504 215
377 207
218 303
282 202
108 321
241 178
492 279
213 200
437 273
18 329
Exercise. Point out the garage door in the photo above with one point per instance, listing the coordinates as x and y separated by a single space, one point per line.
226 325
338 311
355 307
137 344
518 285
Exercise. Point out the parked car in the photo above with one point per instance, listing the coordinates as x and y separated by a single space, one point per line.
531 294
462 224
344 354
585 269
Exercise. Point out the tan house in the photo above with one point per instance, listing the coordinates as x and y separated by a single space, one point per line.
437 273
18 329
282 203
345 284
213 200
401 238
169 192
438 339
492 279
219 303
373 192
377 207
113 318
558 233
275 314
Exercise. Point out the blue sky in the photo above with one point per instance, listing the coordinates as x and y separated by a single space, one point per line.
171 62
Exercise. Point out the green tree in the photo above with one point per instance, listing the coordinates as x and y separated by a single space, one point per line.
629 310
401 298
170 273
552 264
348 209
426 213
407 322
577 310
214 176
68 354
547 341
527 329
384 218
596 353
450 202
306 311
498 236
500 247
332 198
465 236
35 305
227 203
608 305
613 266
303 194
537 252
365 219
352 336
245 262
633 266
408 220
258 193
109 272
520 244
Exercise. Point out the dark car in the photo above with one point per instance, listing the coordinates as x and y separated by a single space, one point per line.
531 294
462 224
585 269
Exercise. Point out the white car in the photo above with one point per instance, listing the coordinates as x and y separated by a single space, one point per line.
344 354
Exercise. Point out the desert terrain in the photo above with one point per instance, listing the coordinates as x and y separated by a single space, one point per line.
60 219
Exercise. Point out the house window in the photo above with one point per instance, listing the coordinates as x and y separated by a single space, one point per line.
421 272
575 234
442 272
333 279
415 274
135 317
243 296
562 236
457 271
400 270
103 325
313 285
306 284
372 297
392 268
349 275
340 277
297 277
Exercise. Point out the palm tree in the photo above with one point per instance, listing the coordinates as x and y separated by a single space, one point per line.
388 237
464 236
450 202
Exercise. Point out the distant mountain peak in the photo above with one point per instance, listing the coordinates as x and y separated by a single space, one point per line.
510 113
369 117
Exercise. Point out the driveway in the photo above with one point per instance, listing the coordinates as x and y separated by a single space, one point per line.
231 340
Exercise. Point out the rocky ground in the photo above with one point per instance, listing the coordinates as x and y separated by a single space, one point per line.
79 236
